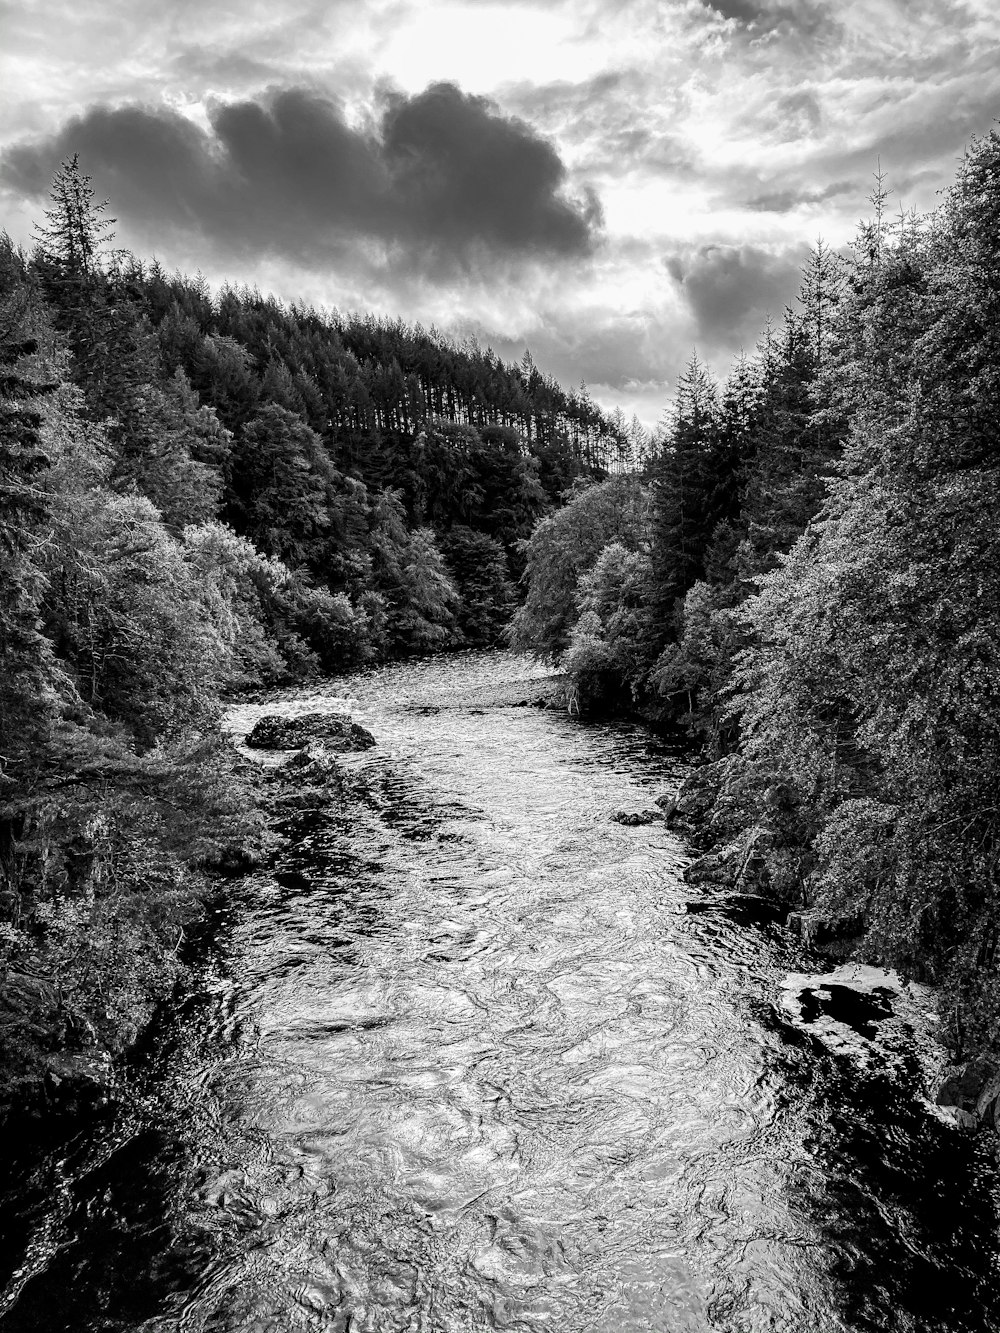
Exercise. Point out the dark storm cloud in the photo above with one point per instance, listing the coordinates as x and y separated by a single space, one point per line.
731 289
442 177
465 171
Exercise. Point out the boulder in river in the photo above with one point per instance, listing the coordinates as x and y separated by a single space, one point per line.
312 779
340 732
637 815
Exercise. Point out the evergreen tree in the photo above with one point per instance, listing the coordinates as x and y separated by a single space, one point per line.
478 568
72 251
412 583
27 668
686 488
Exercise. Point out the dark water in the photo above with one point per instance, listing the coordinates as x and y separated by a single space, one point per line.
476 1058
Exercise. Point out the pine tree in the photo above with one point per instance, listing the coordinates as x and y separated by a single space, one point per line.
686 482
72 247
27 670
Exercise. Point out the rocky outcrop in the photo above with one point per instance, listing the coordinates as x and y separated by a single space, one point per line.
690 801
337 730
972 1092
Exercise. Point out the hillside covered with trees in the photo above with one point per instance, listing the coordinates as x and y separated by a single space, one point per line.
809 577
201 494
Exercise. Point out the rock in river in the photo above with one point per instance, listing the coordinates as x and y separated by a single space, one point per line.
273 732
636 816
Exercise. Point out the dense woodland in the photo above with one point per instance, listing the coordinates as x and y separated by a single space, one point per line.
809 577
204 493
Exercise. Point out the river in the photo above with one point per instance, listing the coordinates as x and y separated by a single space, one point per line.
475 1057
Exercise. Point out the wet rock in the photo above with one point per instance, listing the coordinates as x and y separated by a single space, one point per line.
636 816
224 1188
816 929
988 1101
234 860
712 868
972 1091
964 1119
668 802
337 730
311 780
313 761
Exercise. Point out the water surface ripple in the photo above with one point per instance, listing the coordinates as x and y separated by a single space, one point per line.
474 1057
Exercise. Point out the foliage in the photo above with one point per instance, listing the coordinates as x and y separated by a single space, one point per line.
202 494
822 599
478 567
610 647
867 693
411 581
563 548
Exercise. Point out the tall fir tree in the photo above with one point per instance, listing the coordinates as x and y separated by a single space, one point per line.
685 489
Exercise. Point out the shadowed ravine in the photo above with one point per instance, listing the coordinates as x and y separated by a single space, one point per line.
469 1060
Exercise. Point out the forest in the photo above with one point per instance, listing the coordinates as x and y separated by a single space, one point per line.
198 495
807 577
201 494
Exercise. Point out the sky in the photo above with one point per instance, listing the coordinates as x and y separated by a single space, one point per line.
613 184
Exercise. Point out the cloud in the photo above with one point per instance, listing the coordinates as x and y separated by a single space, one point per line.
718 133
604 346
785 199
807 21
731 289
441 178
797 115
743 11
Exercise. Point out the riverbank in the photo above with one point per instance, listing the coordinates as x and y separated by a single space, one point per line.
965 1085
469 1051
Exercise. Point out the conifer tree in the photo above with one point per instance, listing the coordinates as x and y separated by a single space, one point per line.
685 488
73 246
26 666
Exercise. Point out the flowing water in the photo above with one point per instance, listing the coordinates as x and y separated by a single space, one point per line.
475 1057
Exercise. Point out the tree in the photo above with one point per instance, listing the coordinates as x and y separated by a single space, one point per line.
28 672
867 696
411 580
280 483
687 477
478 568
612 644
72 249
563 547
